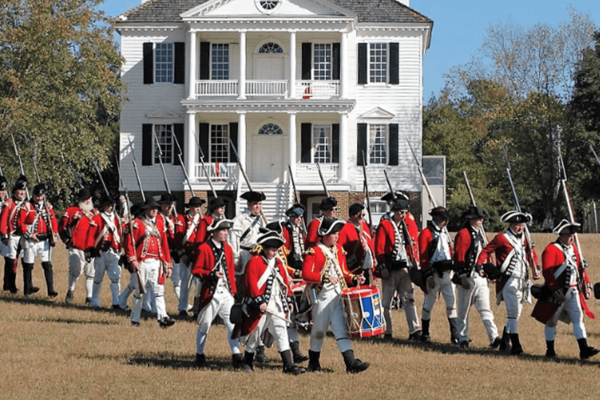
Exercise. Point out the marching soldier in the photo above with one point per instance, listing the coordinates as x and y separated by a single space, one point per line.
325 270
38 224
568 281
135 210
152 258
11 234
436 263
73 228
175 230
513 254
216 207
328 207
104 240
473 288
3 248
355 237
215 269
394 253
294 235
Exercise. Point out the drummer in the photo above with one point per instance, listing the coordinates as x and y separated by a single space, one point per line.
325 270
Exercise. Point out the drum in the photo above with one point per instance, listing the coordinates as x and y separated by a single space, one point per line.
302 315
362 311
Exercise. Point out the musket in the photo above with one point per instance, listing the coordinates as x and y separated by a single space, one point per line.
205 169
237 156
367 193
162 167
20 161
595 155
323 180
182 165
482 231
79 184
117 163
1 173
137 174
51 233
563 182
101 179
137 272
296 197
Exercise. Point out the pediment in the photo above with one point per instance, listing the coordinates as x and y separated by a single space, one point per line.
377 113
164 113
252 9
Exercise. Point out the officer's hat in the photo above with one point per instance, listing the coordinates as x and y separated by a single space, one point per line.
271 239
150 204
329 226
215 203
297 210
474 212
328 203
106 201
219 224
396 195
21 183
355 209
166 198
39 189
3 183
400 205
195 202
84 194
253 197
440 212
516 217
565 227
275 226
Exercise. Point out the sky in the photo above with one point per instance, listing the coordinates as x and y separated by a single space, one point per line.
459 26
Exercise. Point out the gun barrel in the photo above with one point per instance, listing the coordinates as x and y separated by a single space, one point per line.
323 180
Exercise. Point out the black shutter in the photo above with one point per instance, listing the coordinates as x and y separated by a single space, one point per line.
148 63
335 143
233 135
393 144
306 61
203 133
362 144
204 60
147 145
336 51
178 132
179 63
306 142
362 63
394 77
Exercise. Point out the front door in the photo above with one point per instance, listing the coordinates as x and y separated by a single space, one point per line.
268 158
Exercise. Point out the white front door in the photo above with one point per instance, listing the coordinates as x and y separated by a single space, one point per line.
269 67
268 158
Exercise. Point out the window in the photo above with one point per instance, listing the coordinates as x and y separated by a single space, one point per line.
164 135
377 144
322 61
270 48
321 141
270 129
164 62
268 6
219 143
220 61
378 60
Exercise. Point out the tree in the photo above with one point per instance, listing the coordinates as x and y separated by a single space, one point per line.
60 89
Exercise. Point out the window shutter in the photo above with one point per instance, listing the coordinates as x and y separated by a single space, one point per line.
394 77
306 142
362 63
148 63
178 132
336 52
147 145
393 144
203 133
362 144
204 60
306 61
179 63
335 143
233 135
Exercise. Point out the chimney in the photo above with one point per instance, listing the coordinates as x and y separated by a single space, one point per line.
145 1
405 2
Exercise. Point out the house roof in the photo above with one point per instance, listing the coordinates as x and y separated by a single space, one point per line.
368 11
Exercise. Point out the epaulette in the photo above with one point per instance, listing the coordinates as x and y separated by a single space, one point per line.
310 251
257 249
411 216
344 251
135 224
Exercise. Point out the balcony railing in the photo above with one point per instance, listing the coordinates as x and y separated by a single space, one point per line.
216 88
218 172
306 90
317 89
308 173
267 88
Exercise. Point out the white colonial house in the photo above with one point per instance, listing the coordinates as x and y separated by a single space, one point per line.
278 86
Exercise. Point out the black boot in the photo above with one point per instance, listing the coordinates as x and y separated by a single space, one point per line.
200 361
28 287
261 357
586 351
550 353
237 361
298 356
49 275
10 274
313 361
516 345
453 332
425 338
248 362
7 268
353 365
288 365
505 344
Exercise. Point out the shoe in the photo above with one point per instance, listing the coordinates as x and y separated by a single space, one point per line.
516 344
200 361
415 336
166 322
357 366
116 307
34 289
88 300
248 362
293 370
135 323
313 363
236 361
388 336
496 343
298 356
505 341
551 355
588 353
425 339
69 297
260 356
183 315
463 345
52 294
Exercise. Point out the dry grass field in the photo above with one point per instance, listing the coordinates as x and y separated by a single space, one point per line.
53 351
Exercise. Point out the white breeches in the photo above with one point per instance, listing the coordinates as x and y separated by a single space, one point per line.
32 249
569 311
176 278
328 311
277 328
220 305
514 294
108 262
399 281
149 270
477 295
77 266
186 287
10 250
446 287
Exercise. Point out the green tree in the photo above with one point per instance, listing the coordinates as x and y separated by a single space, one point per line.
60 89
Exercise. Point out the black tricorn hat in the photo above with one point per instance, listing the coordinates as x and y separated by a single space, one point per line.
541 292
328 203
329 226
166 198
515 217
271 239
396 195
355 209
474 212
136 209
399 204
253 197
3 183
296 210
39 189
21 183
565 227
150 203
275 226
105 201
440 212
195 202
216 202
84 194
597 291
218 224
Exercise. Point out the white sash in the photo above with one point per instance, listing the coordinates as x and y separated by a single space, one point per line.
517 251
191 229
265 276
568 253
109 225
335 263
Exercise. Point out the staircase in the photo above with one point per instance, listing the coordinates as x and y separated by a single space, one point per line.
279 198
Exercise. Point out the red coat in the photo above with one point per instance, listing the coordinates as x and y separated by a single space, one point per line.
552 259
204 266
27 216
351 243
312 237
10 217
151 246
197 236
96 228
463 252
289 248
385 238
73 226
314 262
425 243
501 247
175 231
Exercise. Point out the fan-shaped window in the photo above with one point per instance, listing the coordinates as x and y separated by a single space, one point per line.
270 129
270 48
268 4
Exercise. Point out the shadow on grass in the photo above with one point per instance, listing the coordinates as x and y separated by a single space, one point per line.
174 361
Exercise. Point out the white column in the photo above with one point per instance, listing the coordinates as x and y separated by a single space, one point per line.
242 79
343 66
292 88
190 147
241 144
292 142
343 165
193 55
